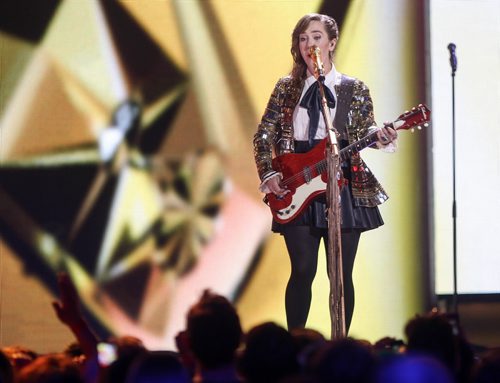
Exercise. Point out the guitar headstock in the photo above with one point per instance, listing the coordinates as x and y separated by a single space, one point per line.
415 118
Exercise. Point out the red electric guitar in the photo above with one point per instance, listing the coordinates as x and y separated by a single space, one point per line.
304 174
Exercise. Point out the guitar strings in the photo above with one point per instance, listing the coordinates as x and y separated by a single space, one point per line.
320 166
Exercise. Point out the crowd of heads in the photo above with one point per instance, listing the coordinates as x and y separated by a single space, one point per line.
214 348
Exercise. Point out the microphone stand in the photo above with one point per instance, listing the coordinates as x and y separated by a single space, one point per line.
453 63
334 250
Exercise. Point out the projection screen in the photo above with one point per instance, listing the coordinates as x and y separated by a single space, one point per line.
474 28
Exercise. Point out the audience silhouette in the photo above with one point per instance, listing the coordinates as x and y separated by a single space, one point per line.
158 367
52 368
270 354
487 369
6 369
344 360
212 336
440 336
213 349
413 369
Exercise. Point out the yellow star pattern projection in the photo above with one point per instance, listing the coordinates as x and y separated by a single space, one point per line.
110 172
126 160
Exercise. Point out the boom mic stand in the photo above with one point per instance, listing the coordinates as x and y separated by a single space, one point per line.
453 63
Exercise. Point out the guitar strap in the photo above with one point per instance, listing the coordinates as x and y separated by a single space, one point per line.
344 97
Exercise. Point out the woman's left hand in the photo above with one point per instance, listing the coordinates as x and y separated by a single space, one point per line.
387 134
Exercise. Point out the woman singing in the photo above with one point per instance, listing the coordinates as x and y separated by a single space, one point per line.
293 123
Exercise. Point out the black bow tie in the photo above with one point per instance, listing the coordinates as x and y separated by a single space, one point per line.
312 102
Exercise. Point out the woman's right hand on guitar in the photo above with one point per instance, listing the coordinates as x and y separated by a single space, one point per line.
274 185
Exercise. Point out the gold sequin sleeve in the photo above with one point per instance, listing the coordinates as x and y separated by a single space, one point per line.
360 117
366 189
268 133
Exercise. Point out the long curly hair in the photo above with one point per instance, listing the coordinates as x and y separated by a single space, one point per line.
299 69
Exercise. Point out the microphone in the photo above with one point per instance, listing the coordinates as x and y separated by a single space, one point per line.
315 55
453 57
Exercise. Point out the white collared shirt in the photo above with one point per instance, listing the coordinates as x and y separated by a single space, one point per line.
300 116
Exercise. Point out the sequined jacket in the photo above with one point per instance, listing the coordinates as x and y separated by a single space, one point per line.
275 134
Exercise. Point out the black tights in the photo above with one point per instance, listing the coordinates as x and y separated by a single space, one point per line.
303 246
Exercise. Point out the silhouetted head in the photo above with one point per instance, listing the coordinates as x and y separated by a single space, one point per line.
52 368
488 368
433 334
157 367
6 369
344 360
213 330
269 354
413 369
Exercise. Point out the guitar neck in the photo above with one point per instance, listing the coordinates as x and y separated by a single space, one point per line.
358 146
348 151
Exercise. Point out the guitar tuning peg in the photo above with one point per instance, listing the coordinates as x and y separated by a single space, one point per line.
412 130
407 111
419 127
426 125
